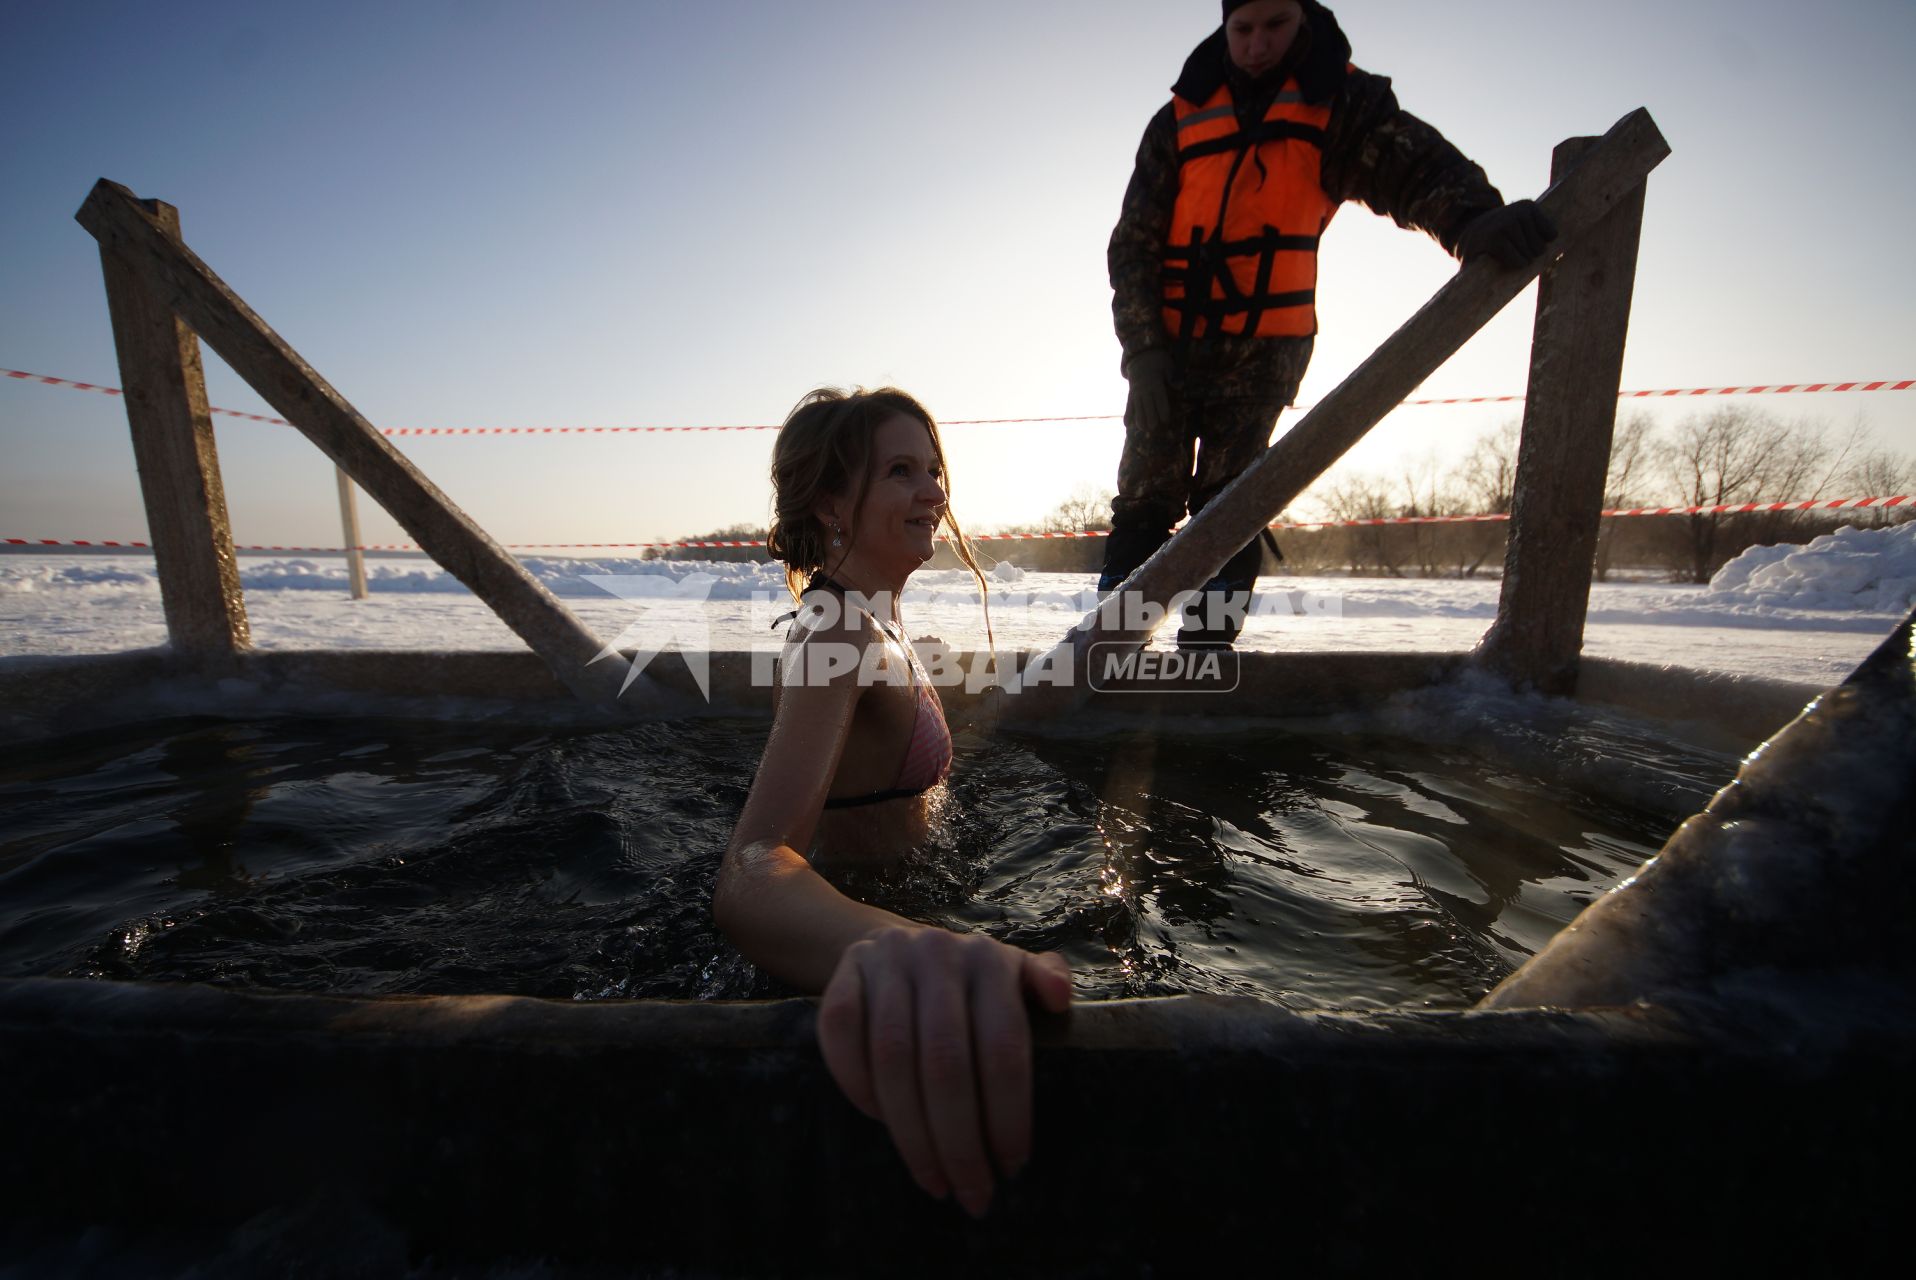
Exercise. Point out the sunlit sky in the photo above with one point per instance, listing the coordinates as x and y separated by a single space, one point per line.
497 214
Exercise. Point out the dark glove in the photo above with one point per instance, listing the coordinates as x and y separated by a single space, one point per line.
1149 407
1513 235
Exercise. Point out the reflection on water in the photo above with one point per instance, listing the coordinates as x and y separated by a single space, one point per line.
1338 864
1321 870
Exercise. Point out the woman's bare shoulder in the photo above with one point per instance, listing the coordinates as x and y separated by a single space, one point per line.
826 619
833 641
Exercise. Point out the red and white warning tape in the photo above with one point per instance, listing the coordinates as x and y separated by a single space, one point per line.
1788 388
52 381
1776 389
1728 508
1725 508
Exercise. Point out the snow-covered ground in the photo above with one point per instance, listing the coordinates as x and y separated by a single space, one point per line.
1805 613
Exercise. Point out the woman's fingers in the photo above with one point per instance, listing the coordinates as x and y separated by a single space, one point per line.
946 1068
841 1031
1048 977
1002 1043
1002 1040
891 1028
929 1033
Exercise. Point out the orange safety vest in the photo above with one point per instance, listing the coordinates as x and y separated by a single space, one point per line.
1242 256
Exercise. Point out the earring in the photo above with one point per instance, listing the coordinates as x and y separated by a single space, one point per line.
838 535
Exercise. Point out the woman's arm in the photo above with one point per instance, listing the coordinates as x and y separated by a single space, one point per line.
923 1029
780 913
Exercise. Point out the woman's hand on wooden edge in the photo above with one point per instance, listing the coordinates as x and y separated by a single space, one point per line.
926 1031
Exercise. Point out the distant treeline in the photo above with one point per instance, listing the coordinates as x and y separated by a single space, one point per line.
32 550
1729 455
1732 454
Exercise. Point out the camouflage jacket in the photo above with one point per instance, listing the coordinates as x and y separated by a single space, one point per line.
1374 152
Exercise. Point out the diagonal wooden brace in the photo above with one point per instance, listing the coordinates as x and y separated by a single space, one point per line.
1612 173
174 275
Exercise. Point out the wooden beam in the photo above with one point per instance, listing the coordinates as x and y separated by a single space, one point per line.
1570 411
1794 875
135 238
165 393
349 529
1610 175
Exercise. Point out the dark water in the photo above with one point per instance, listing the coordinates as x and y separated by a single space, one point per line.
1387 862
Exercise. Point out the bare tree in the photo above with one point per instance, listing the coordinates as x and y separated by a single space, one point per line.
1630 448
1425 492
1878 473
1486 484
1488 473
1735 454
1364 497
1087 510
1631 445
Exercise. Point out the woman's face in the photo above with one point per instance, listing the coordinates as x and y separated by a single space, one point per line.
896 523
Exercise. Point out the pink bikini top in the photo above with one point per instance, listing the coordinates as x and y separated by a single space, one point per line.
928 752
927 756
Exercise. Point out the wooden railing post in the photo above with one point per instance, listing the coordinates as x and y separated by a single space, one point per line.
349 530
165 392
1611 175
184 285
1576 367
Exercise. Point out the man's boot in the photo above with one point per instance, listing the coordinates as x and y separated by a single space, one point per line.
1130 544
1215 618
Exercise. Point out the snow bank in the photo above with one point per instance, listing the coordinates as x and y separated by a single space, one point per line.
74 604
1873 570
1850 581
562 577
29 573
731 580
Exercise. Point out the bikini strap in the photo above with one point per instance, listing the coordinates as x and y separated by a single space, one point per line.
817 582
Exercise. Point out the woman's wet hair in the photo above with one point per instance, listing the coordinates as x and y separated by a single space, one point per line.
824 450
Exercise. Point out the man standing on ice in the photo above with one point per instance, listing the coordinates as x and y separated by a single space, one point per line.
1214 259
